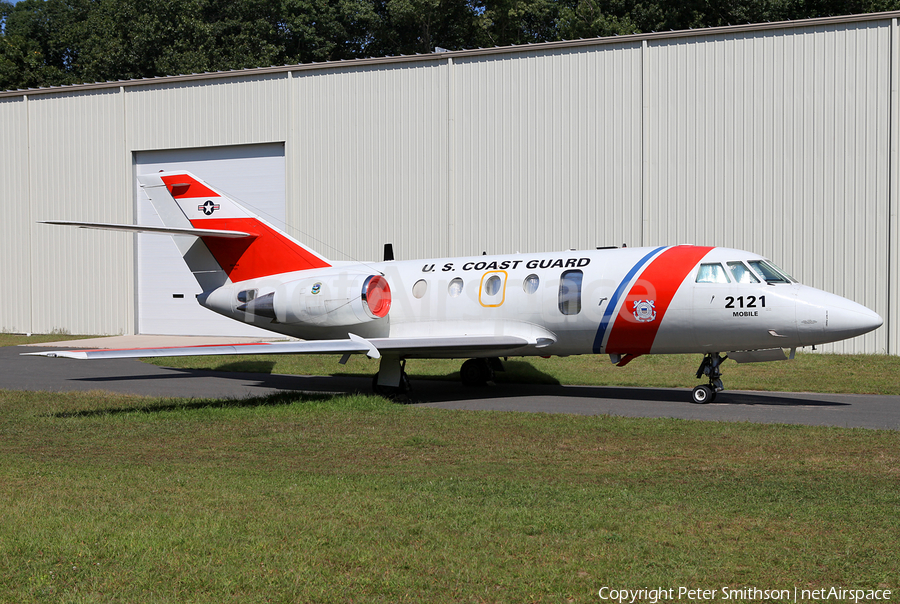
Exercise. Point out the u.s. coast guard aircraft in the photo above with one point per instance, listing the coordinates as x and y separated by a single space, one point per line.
624 302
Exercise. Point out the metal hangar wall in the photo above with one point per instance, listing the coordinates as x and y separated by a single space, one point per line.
777 138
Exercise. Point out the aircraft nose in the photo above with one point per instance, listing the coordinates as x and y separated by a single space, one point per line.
846 319
824 317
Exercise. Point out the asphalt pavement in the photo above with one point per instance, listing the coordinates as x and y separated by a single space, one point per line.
135 377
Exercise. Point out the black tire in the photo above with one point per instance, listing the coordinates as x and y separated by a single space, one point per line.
392 392
703 395
475 373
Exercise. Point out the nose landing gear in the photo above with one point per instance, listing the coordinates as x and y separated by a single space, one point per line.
709 367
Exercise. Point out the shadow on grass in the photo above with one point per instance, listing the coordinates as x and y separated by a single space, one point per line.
514 372
443 388
272 400
522 372
248 367
673 395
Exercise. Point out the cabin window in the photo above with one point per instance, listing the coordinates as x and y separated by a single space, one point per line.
531 283
455 288
492 285
712 273
570 292
741 273
246 295
420 288
768 272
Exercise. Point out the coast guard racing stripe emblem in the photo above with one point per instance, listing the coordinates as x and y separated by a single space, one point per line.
644 307
643 311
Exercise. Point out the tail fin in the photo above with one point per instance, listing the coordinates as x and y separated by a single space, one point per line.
183 200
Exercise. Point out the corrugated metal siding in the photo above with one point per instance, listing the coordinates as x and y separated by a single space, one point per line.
370 161
207 113
892 319
83 281
548 150
777 142
15 226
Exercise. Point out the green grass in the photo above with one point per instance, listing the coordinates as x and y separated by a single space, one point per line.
297 498
860 374
18 339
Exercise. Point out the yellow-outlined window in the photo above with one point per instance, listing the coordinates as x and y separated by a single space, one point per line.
492 291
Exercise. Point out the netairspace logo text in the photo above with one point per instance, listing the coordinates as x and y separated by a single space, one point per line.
725 594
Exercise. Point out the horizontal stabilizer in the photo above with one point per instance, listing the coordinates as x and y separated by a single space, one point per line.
137 228
426 346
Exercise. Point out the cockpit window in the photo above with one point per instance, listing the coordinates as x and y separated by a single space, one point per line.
741 273
768 272
712 273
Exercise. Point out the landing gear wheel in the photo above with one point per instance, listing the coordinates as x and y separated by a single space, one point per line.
392 392
709 367
401 390
476 372
703 395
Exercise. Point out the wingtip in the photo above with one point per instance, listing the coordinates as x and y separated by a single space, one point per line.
53 354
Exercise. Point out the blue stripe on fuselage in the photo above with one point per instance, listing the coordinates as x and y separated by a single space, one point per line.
614 301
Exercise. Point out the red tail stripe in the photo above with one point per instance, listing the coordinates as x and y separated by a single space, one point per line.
658 283
182 186
269 253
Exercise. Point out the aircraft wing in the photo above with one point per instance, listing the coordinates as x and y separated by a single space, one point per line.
138 228
423 347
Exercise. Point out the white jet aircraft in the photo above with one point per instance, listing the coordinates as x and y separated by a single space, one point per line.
624 302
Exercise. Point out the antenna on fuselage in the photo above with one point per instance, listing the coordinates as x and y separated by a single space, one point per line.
388 252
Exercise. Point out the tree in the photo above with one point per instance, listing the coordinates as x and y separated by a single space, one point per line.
418 26
53 42
509 22
594 19
40 42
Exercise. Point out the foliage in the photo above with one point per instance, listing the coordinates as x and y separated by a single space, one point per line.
54 42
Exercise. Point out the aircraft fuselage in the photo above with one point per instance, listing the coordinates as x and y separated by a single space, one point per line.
626 301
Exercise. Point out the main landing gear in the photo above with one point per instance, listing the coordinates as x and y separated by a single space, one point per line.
478 372
392 382
709 367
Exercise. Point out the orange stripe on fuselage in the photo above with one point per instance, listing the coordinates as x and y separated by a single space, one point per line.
658 284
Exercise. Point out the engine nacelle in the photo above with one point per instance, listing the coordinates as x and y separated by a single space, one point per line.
328 301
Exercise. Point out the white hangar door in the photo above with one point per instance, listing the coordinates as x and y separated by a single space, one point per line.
166 289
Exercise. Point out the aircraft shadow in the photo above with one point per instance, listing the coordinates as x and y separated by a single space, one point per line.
661 395
273 400
305 383
437 390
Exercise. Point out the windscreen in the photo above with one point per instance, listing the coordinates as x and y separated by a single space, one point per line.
769 272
